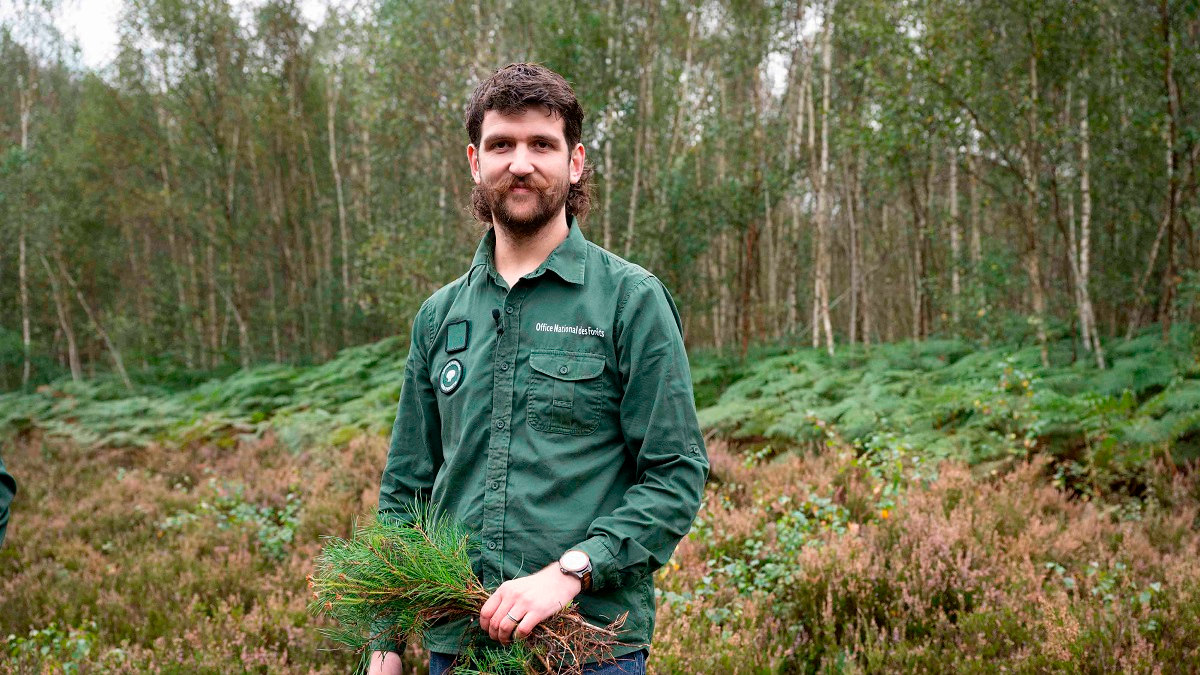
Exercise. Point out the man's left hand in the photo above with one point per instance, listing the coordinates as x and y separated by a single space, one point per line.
530 600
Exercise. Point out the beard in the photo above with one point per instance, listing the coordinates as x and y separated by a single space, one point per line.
525 220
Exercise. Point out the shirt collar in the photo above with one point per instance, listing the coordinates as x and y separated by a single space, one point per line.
567 260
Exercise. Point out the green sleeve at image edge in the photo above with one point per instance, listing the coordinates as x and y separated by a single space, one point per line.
8 490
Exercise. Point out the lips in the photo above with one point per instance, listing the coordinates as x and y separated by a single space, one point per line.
523 189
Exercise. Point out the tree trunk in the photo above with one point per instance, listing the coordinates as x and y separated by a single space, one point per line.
138 279
610 103
976 245
1139 296
916 259
1088 315
60 308
274 314
26 335
112 348
645 105
864 285
25 102
1032 252
748 269
193 268
916 274
1169 278
849 176
892 318
343 230
824 262
955 243
210 269
245 350
803 106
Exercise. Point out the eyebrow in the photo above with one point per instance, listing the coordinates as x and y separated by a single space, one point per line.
487 140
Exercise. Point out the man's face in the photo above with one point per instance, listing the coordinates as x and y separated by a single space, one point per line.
524 169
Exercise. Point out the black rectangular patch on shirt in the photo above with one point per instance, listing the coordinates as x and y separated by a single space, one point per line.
457 335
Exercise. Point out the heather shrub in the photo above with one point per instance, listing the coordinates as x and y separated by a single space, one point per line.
957 574
185 560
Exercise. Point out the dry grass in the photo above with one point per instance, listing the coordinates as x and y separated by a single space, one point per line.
964 574
87 553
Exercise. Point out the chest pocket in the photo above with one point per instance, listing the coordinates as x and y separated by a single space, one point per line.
565 391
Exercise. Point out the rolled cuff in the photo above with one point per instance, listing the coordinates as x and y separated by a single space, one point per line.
604 563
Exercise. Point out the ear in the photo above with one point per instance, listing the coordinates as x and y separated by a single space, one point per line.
473 162
578 154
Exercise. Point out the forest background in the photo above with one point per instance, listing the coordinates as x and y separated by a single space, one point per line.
936 261
238 187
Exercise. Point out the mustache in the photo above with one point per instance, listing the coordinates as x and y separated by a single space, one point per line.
527 182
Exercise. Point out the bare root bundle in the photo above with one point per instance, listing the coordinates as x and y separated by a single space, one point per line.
395 577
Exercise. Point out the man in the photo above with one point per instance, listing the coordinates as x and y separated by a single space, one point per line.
8 490
547 402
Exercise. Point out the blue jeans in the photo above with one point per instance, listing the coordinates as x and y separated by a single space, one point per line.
629 664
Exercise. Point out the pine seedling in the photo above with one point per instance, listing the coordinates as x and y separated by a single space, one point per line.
396 576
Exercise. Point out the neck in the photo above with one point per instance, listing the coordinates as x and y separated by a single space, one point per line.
518 256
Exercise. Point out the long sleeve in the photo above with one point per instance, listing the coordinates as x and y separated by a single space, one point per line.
658 421
415 451
8 490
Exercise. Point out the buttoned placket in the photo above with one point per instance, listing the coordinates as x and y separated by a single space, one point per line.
503 398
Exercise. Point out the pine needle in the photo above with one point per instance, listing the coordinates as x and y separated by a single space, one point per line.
397 576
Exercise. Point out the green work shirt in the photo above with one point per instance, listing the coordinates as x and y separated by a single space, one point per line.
8 490
563 420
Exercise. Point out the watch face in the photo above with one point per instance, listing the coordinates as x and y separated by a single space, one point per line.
574 561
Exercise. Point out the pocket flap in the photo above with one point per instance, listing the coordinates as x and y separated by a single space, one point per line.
567 365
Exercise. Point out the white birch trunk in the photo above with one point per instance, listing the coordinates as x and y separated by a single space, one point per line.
955 242
343 229
1085 234
823 206
25 103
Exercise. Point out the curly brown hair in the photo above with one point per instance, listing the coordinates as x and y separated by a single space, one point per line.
514 89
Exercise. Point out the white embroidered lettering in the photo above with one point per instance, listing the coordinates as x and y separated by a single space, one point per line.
587 331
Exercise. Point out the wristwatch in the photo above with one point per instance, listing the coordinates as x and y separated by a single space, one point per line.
577 564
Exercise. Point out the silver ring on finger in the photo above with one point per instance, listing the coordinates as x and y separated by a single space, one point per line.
510 617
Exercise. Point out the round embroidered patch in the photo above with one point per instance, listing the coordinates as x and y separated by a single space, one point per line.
451 377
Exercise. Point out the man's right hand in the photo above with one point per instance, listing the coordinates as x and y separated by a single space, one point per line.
384 663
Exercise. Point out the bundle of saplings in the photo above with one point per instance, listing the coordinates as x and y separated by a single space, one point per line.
395 577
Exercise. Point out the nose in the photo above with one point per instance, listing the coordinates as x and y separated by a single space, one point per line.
520 164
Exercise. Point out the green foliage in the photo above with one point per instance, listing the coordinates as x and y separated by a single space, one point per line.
947 398
274 527
397 574
60 649
12 358
758 566
304 406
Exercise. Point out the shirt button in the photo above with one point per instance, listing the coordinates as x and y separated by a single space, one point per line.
499 424
495 485
491 545
503 366
508 310
562 370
